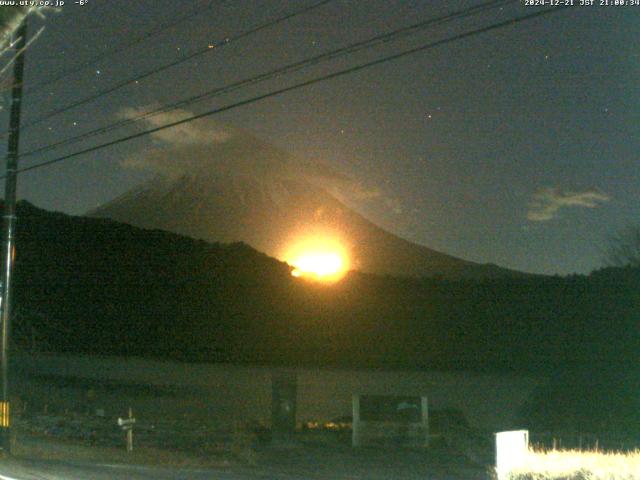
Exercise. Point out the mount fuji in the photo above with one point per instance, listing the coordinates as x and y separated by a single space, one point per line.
225 185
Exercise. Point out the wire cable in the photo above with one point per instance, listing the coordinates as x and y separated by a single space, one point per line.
287 69
347 71
120 48
209 48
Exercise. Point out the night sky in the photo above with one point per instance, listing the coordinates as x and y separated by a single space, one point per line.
517 146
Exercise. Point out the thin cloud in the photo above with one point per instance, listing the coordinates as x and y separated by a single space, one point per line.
547 202
199 132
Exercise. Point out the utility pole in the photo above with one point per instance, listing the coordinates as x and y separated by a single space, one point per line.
9 232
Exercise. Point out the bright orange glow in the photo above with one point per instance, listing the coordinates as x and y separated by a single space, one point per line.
319 259
318 263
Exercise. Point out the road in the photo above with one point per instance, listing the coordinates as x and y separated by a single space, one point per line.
62 470
310 463
58 470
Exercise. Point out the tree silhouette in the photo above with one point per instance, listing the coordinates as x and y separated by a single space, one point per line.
624 248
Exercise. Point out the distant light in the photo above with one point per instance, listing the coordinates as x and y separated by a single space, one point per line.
317 258
321 264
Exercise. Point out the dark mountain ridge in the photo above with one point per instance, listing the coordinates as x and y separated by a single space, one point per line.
98 286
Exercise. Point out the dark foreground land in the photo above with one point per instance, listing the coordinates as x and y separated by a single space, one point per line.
47 459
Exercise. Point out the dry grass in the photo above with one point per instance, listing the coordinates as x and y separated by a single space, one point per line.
579 465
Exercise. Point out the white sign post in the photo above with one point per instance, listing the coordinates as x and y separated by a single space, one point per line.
127 426
511 451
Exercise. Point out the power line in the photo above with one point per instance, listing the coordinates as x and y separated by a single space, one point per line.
209 48
120 48
290 68
422 48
